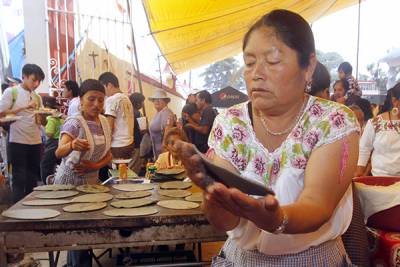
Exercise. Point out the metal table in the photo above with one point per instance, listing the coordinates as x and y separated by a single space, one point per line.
90 230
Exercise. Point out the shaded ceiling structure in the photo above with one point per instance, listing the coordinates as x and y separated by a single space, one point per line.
193 33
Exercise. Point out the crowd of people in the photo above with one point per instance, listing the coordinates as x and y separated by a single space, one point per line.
292 136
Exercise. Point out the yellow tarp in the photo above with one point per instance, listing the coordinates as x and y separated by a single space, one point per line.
192 33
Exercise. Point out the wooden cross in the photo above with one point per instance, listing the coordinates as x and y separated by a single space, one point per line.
93 55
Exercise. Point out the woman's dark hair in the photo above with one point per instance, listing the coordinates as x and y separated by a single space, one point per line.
365 106
344 83
205 95
73 87
91 85
291 29
396 91
345 67
387 104
190 109
109 77
33 69
136 99
321 79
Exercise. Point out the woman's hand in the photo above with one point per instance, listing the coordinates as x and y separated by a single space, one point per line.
85 166
80 144
264 212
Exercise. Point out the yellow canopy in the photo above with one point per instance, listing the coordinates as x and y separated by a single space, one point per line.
192 33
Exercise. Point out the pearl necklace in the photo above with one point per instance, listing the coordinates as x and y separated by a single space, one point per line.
287 130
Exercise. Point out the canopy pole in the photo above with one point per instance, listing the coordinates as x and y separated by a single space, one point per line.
135 52
159 69
358 36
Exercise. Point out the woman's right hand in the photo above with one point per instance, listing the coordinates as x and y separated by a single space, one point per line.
80 144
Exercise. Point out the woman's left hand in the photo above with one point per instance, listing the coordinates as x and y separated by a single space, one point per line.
85 166
265 212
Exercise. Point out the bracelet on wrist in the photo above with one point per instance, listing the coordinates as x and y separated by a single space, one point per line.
281 228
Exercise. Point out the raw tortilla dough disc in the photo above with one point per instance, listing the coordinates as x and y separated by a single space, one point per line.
175 185
31 214
45 202
93 188
92 198
133 187
132 203
195 197
82 207
57 194
131 212
174 193
178 204
130 195
54 187
170 171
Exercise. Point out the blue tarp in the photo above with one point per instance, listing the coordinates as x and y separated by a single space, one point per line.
17 54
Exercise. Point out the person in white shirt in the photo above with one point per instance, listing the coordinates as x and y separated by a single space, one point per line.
25 135
119 112
71 92
381 141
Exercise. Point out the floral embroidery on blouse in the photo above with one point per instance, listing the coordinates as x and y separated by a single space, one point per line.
322 122
385 125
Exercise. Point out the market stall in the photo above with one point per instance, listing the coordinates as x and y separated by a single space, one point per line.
89 230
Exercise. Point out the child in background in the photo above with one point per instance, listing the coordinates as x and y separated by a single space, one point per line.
169 159
53 127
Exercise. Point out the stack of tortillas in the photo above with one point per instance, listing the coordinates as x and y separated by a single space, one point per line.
54 187
131 212
45 202
133 187
134 194
132 203
93 188
174 193
177 204
56 194
83 207
30 214
92 198
195 197
175 185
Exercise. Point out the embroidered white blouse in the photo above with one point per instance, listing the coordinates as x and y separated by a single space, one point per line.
382 139
233 139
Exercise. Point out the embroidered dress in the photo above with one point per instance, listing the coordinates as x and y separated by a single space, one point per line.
381 138
99 138
233 139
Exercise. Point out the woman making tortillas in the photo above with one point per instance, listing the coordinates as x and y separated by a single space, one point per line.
304 148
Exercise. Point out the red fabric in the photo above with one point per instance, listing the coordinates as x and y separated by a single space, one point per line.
384 248
389 219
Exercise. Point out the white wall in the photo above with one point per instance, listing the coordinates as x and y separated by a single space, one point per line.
37 38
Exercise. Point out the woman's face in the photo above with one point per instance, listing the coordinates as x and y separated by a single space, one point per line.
172 139
272 72
159 104
92 103
66 93
338 90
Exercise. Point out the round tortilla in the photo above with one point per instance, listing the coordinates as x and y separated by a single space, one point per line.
178 204
195 197
131 212
45 202
130 195
174 193
93 198
132 203
133 187
172 171
82 207
56 194
54 187
175 185
30 214
93 188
